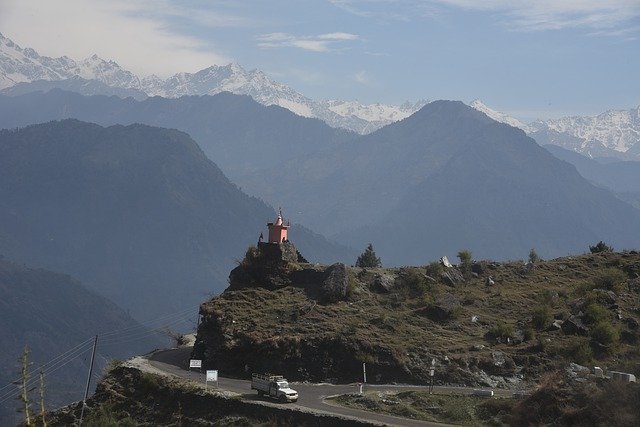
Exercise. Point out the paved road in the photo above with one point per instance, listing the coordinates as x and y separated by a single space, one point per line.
311 396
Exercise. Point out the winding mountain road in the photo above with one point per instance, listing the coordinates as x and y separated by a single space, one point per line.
311 396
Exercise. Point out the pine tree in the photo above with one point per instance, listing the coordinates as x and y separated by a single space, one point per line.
368 258
533 256
600 247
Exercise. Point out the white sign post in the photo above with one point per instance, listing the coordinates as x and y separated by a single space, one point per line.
364 377
195 363
212 376
432 371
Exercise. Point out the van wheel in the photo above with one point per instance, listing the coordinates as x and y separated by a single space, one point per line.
260 393
283 398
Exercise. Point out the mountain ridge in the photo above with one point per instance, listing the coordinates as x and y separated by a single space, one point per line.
82 198
492 180
26 66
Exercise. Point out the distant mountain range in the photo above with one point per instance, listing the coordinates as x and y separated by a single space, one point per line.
444 179
138 213
615 133
24 70
241 135
351 187
611 134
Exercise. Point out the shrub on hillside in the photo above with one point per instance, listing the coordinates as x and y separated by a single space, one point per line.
465 260
501 330
579 351
605 333
612 279
595 313
414 283
541 316
564 403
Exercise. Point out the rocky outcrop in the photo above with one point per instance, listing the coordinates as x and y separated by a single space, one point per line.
444 308
452 276
383 284
574 326
268 266
335 285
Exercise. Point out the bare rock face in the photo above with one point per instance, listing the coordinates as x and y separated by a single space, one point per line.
574 326
383 284
452 276
334 287
284 251
265 266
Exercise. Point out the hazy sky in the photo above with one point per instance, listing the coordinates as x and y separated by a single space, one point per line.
530 58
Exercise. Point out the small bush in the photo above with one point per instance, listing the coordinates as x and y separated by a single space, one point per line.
541 317
529 334
502 330
611 279
414 283
595 313
600 247
465 260
605 333
579 351
434 269
107 416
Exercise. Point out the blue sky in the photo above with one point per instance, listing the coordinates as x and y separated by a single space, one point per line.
536 58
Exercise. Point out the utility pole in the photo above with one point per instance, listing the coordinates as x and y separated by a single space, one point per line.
44 421
86 391
24 392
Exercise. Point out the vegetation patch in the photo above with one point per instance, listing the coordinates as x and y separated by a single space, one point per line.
444 408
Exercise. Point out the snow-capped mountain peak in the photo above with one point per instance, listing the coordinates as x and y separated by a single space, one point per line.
617 130
497 115
25 66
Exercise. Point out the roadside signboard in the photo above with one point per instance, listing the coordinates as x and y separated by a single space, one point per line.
195 363
212 375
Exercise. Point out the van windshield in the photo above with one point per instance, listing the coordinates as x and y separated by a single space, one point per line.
283 384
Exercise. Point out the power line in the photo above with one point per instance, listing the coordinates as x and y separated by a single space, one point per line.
48 371
117 336
44 366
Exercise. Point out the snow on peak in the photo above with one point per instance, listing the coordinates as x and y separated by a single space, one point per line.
374 113
617 130
19 65
497 115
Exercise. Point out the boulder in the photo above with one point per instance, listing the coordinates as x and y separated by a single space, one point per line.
574 326
577 371
443 309
383 283
556 325
498 358
605 297
445 261
335 284
632 323
452 276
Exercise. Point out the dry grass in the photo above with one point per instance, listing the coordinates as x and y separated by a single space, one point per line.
395 323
